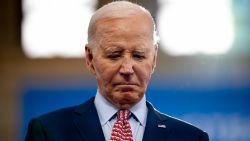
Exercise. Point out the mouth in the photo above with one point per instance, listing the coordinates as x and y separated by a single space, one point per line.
126 87
125 84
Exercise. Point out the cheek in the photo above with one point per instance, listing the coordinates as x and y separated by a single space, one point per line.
144 73
104 72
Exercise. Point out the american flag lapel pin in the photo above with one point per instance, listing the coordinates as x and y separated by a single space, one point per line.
161 126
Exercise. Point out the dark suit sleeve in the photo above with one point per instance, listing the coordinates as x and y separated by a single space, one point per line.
204 137
35 132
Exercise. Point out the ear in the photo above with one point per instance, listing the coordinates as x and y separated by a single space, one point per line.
155 58
89 59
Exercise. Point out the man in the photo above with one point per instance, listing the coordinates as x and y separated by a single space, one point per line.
121 53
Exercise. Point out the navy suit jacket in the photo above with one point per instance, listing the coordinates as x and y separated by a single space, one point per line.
81 123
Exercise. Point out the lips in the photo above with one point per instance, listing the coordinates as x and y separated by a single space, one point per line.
126 87
125 84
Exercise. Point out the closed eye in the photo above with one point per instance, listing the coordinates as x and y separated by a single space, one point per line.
139 55
114 55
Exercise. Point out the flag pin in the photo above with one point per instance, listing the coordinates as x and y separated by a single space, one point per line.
161 126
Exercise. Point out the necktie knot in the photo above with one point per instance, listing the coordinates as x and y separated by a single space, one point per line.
123 114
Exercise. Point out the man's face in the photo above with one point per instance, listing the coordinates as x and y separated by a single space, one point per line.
123 59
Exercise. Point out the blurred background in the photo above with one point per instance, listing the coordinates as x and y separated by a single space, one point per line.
202 75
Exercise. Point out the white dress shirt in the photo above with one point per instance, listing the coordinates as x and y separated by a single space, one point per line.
106 110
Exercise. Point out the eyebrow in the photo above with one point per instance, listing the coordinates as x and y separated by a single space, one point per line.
109 47
112 48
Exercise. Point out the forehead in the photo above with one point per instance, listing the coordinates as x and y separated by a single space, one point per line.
134 24
134 29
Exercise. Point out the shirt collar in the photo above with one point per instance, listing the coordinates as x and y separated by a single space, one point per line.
140 111
106 110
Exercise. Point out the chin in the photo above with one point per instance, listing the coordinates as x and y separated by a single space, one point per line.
124 106
127 102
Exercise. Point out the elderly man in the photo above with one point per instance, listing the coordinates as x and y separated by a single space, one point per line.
121 53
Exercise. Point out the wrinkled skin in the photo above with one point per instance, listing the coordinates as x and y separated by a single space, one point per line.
123 58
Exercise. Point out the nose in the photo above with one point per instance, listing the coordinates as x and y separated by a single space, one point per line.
126 68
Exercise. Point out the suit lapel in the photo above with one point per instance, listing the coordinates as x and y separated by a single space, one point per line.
87 122
156 129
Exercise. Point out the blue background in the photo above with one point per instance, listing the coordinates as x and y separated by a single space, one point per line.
218 105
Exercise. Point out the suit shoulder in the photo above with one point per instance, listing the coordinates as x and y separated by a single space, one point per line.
177 123
56 115
183 128
55 124
62 113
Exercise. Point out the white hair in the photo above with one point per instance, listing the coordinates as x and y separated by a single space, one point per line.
118 9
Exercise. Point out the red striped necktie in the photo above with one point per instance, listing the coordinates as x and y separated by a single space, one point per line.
122 130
